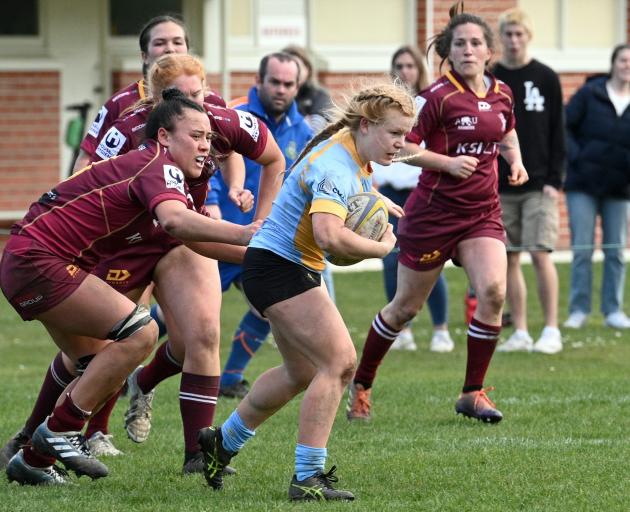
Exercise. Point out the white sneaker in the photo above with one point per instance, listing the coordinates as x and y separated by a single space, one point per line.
441 342
101 444
404 341
618 320
576 320
550 341
520 341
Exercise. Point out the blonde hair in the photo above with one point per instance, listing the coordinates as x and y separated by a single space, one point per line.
372 103
515 16
423 75
169 67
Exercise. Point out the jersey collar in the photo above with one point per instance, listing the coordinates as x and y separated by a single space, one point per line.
461 86
344 137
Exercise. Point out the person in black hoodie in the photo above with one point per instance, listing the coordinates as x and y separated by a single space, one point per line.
598 183
530 212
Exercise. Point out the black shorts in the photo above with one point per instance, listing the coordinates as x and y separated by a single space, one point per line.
268 278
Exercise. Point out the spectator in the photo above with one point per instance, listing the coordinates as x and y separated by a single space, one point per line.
530 212
598 183
396 182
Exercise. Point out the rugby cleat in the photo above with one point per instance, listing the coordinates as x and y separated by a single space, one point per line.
238 390
318 487
139 414
69 448
216 458
12 447
101 445
476 404
19 471
195 464
358 406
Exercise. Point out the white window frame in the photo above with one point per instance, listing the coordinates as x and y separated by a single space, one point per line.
565 59
28 46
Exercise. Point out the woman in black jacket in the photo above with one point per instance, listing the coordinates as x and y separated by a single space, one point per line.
598 183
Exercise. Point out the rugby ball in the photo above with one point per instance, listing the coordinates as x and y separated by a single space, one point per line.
367 217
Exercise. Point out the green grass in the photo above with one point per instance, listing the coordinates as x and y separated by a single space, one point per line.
564 443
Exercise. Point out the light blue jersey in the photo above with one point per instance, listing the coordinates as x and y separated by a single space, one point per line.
321 183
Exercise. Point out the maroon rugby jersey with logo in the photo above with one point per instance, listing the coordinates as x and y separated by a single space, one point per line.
105 207
455 121
234 130
116 105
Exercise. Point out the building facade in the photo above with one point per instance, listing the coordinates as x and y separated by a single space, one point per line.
57 53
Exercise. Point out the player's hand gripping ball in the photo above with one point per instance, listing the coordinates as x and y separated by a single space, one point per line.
367 217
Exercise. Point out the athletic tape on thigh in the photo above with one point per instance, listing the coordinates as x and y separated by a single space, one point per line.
138 318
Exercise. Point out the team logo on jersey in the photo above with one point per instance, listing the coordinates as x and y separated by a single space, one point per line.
138 127
476 148
328 187
174 178
117 275
503 122
134 239
534 101
484 106
420 103
111 143
291 151
466 122
249 123
72 270
430 256
97 124
48 197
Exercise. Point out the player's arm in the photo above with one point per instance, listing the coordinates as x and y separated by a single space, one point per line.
228 253
334 237
233 172
180 222
271 176
461 166
83 160
510 150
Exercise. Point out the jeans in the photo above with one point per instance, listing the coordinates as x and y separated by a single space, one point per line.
583 210
438 298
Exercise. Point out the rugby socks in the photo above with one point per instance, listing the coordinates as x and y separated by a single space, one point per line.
162 366
309 461
380 337
248 338
156 314
482 340
67 417
235 433
197 402
56 380
99 422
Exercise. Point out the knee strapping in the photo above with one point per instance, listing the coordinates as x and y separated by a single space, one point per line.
81 365
138 318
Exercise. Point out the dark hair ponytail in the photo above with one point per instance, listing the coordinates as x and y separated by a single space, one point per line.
442 41
165 113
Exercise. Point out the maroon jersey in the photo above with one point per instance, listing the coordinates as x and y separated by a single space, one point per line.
234 130
116 105
109 112
106 207
455 121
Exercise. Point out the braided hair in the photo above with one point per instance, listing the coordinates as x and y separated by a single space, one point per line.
371 103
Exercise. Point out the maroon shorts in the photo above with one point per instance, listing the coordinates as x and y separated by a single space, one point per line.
429 236
133 266
34 280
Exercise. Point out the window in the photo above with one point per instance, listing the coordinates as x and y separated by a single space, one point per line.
576 35
20 18
127 18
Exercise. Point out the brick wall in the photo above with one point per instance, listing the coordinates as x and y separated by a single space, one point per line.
29 136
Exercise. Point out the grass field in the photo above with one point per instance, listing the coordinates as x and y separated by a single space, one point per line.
564 443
